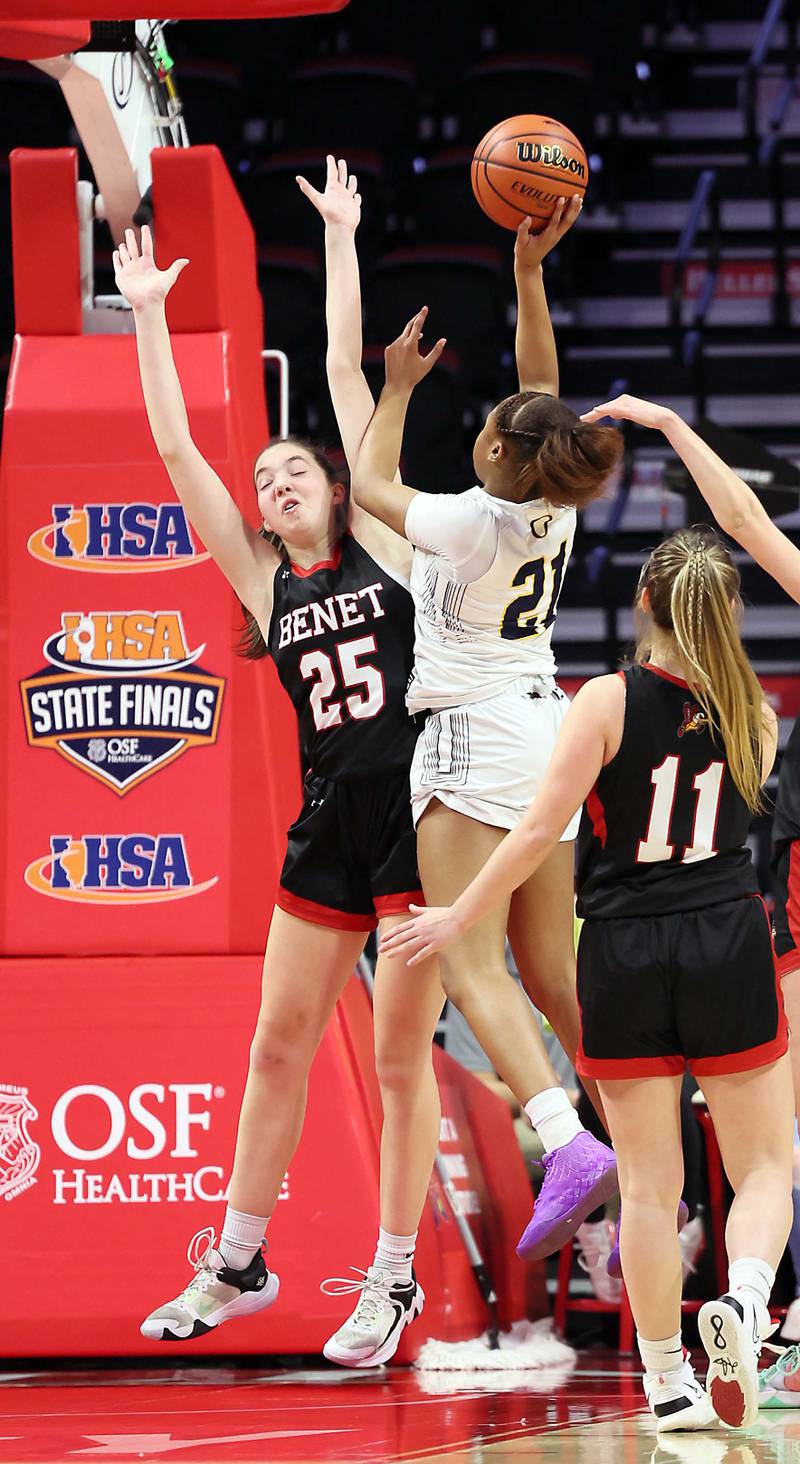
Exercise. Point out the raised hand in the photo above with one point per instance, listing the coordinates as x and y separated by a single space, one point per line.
415 940
530 249
139 281
405 367
628 408
340 204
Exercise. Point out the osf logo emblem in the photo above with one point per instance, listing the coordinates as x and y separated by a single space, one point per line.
19 1155
116 537
115 869
122 695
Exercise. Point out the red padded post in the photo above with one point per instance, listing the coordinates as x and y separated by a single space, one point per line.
44 237
25 40
179 9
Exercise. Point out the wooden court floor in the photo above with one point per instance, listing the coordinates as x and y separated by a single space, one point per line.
220 1412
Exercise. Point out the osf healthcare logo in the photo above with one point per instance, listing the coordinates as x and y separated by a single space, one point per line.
19 1155
152 1119
116 537
115 869
92 1125
122 695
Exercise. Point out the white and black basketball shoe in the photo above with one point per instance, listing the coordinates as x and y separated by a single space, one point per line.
216 1293
677 1401
372 1332
732 1329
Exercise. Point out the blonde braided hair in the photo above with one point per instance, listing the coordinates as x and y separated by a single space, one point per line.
693 587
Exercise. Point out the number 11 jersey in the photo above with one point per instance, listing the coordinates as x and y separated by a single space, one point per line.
664 828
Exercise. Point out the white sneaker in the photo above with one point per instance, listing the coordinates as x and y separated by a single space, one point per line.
790 1331
371 1334
596 1241
692 1241
732 1330
216 1293
678 1401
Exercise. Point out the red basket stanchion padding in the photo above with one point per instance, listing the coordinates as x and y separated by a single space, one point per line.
29 40
44 241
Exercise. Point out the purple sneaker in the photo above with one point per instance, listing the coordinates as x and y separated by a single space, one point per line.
614 1264
579 1177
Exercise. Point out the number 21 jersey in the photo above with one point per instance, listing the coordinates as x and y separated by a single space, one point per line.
664 828
342 636
486 579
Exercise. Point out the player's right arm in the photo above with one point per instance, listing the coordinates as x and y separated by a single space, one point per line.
733 504
535 345
245 559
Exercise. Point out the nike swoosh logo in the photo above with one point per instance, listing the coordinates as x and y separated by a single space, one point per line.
399 1313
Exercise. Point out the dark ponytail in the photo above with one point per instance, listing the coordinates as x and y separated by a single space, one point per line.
251 643
553 455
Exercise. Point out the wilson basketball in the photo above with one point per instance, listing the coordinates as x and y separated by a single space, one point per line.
523 166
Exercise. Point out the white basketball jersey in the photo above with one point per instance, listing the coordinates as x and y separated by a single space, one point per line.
486 577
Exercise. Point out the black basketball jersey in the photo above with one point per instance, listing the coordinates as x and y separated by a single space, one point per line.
664 828
786 822
342 639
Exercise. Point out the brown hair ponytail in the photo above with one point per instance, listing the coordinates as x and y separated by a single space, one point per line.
693 587
556 456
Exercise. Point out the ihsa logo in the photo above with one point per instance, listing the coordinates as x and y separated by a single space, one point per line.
115 537
115 869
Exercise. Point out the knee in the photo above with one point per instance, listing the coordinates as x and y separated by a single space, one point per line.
465 983
402 1072
279 1047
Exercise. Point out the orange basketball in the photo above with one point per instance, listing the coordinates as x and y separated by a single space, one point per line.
523 166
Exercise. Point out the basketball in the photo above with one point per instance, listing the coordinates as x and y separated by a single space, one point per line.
523 166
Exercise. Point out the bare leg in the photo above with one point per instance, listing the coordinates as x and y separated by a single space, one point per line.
541 929
407 1005
753 1120
645 1120
305 969
791 998
452 849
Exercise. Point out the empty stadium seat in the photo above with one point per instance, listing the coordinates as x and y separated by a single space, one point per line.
507 85
350 101
464 288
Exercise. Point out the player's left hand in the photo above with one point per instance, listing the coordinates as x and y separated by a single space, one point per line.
340 204
627 408
433 928
405 367
530 249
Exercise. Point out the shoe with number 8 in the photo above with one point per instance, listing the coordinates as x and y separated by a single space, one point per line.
731 1330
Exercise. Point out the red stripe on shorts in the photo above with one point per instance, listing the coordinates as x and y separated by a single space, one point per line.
322 914
397 904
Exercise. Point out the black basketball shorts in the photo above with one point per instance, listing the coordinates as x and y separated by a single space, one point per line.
786 918
700 988
351 855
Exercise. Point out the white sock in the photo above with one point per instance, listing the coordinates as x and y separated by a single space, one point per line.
661 1357
395 1253
553 1117
241 1238
752 1276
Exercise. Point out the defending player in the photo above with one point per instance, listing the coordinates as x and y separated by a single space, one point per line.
739 514
486 577
675 963
332 608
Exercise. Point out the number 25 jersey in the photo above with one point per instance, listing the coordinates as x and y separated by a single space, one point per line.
485 578
664 828
342 636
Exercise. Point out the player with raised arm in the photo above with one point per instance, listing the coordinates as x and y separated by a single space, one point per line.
742 516
675 963
327 598
486 577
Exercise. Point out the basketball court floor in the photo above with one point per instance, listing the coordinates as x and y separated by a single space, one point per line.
588 1415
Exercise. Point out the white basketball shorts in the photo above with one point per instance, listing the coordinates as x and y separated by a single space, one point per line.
487 759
